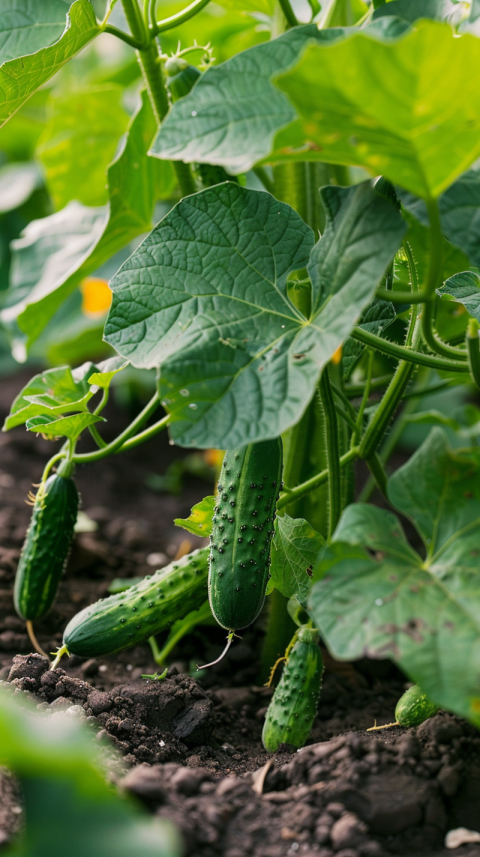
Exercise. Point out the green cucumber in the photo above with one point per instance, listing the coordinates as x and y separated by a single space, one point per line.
414 707
244 513
293 706
143 610
46 548
181 76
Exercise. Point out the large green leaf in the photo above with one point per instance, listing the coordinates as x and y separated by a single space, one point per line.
55 253
295 549
408 109
70 426
65 793
232 114
79 141
27 26
20 77
389 602
205 297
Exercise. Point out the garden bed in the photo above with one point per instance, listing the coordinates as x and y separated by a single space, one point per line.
192 749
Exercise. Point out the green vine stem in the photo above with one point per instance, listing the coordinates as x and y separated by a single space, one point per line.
180 18
366 394
150 64
333 453
410 355
353 391
115 445
378 473
473 350
291 494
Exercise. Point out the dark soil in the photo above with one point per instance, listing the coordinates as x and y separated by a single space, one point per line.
192 750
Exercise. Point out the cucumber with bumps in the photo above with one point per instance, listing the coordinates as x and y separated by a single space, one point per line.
46 548
293 706
244 513
414 707
147 608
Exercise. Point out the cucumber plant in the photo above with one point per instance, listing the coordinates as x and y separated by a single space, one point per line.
313 282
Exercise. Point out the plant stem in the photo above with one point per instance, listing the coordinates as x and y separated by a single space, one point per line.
333 456
402 353
143 416
344 416
319 479
355 390
398 297
150 64
150 432
378 473
289 13
97 437
434 279
366 394
180 18
473 349
341 395
125 37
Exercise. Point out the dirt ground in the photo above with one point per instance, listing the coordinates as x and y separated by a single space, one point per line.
192 745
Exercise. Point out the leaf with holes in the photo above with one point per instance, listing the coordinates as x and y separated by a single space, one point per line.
375 596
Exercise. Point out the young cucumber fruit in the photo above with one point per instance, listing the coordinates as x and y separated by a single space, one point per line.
181 76
145 609
46 548
243 519
414 707
293 706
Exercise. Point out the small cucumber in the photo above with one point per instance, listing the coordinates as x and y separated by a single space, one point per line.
293 706
147 608
181 77
46 548
414 707
242 532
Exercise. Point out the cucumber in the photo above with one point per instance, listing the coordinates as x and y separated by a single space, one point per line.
46 547
147 608
293 706
181 76
414 707
244 513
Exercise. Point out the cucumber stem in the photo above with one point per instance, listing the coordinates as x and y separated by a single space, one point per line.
386 726
36 645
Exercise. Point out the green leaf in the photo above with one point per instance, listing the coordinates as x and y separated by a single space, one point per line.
412 10
56 253
63 776
389 602
109 368
20 77
199 522
233 113
17 183
79 141
463 288
71 426
25 29
375 319
388 114
295 549
57 390
205 296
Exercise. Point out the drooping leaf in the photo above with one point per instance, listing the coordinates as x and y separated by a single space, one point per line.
63 777
205 297
20 77
295 549
375 319
56 253
199 522
26 27
71 426
408 109
79 141
389 602
17 183
233 113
